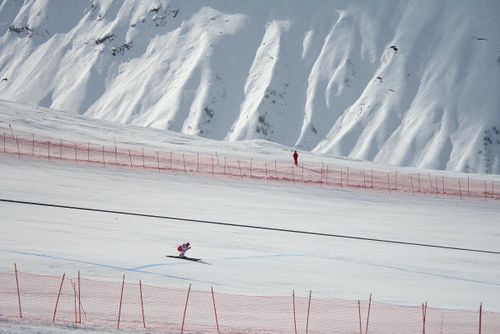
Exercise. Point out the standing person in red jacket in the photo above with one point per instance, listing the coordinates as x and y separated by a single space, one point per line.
296 158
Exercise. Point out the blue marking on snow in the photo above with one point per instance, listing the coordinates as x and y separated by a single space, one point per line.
149 266
410 270
414 271
137 269
261 256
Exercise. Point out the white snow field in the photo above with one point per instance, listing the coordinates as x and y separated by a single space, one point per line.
44 240
403 86
406 82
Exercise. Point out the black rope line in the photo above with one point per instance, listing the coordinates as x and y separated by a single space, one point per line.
265 228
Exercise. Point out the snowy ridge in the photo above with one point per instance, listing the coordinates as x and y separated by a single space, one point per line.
411 83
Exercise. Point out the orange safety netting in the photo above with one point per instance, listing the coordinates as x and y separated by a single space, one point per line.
135 306
315 174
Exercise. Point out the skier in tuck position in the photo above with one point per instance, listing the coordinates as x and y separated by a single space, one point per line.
183 249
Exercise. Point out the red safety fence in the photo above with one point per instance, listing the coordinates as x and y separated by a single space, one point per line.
322 175
128 305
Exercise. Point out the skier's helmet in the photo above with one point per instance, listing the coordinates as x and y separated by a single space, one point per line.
187 244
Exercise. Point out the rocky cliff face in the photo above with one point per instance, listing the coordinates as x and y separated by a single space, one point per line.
412 83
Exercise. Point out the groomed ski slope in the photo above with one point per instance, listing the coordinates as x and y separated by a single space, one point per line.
242 261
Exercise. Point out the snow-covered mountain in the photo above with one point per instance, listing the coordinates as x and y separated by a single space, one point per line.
412 82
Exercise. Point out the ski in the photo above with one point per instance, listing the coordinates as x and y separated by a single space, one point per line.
183 258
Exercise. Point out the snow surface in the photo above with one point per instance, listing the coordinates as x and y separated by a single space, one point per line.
10 327
409 83
243 261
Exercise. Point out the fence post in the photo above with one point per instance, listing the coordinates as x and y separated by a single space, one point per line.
103 158
294 316
424 314
4 142
437 187
116 161
212 166
142 305
121 300
321 175
251 160
364 179
79 308
60 149
308 312
459 189
341 179
368 315
48 149
347 177
326 176
18 151
267 177
241 174
74 297
57 301
130 158
468 186
88 152
184 162
185 309
275 170
493 188
484 189
143 164
322 172
418 178
395 181
76 155
79 300
359 314
158 162
215 310
411 181
18 292
480 317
